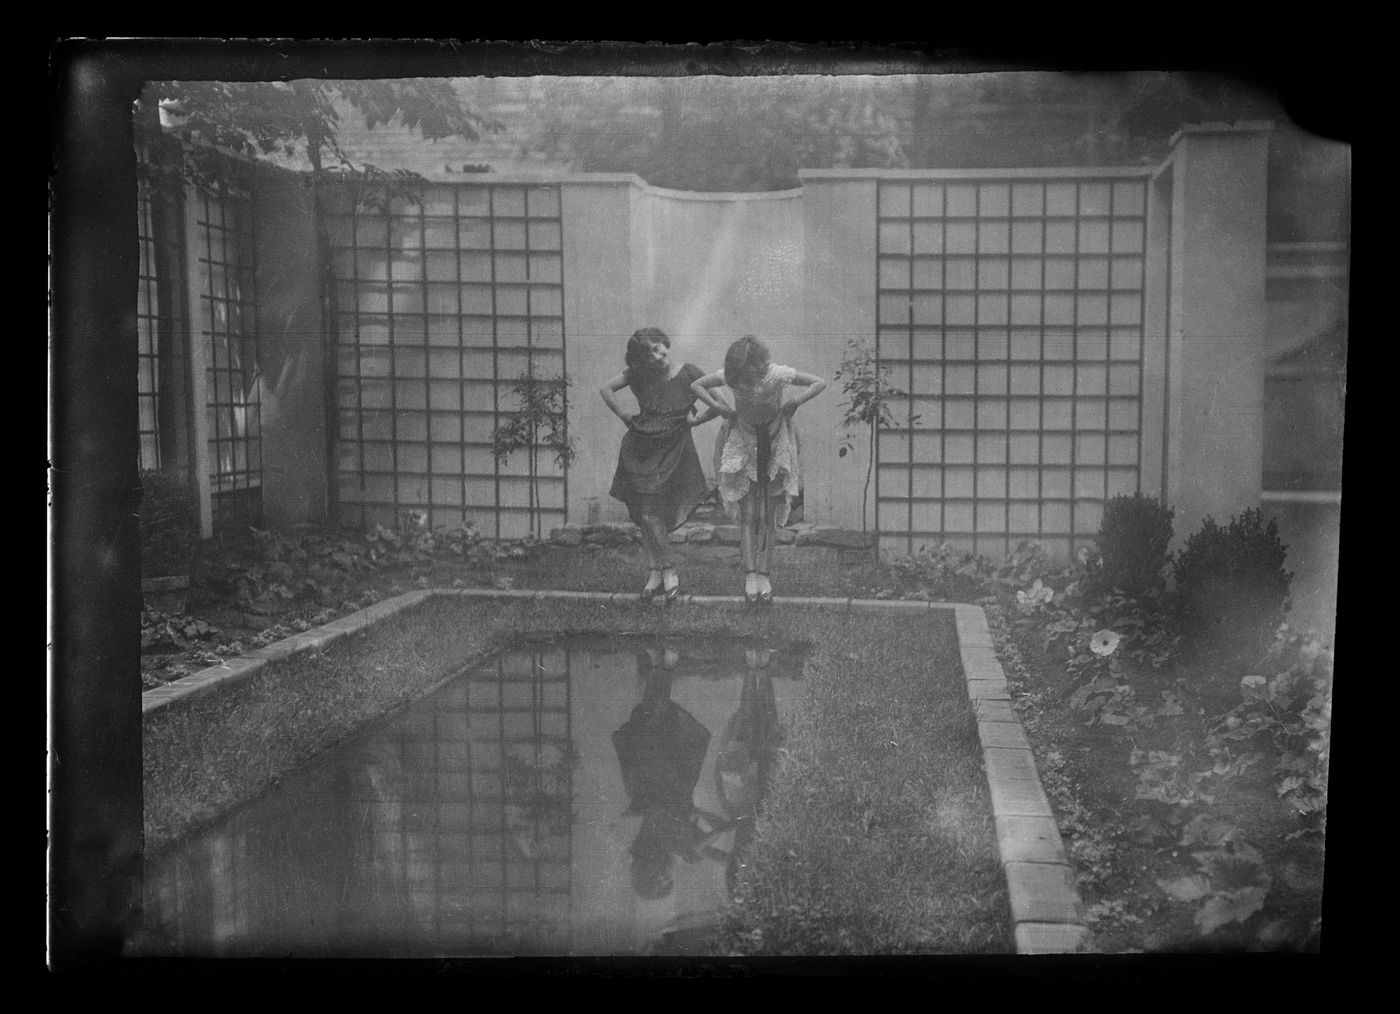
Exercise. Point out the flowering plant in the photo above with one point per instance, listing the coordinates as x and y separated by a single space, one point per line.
1104 643
1034 597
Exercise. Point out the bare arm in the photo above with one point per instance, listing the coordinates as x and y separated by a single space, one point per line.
701 389
705 416
609 394
813 385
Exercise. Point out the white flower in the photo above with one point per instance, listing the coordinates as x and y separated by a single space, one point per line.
1036 596
1105 643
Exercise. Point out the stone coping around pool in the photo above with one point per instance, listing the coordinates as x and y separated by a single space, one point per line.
1047 914
241 667
1046 910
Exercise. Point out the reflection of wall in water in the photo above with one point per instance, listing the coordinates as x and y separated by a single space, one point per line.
488 818
510 832
450 828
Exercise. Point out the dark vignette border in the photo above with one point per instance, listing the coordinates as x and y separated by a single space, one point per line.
94 602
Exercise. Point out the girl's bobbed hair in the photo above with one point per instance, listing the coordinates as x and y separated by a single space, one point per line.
639 348
746 362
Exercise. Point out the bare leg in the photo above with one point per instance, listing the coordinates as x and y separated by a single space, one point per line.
748 533
657 541
769 535
655 551
748 538
649 546
661 539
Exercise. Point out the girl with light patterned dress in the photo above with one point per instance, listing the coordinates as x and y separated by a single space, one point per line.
757 457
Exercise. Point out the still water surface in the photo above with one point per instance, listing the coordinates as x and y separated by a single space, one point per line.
584 797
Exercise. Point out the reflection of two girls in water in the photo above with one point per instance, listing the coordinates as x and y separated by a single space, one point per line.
661 749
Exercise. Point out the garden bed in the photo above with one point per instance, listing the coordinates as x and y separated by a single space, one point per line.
1181 840
1183 741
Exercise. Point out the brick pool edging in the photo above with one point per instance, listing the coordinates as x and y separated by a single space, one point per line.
241 667
1046 910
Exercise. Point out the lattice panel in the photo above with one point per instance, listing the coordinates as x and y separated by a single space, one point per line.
162 327
1011 311
228 322
442 304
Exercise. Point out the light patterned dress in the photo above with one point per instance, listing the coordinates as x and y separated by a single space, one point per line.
737 450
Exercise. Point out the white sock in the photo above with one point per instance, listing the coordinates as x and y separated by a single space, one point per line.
653 580
670 578
764 587
750 583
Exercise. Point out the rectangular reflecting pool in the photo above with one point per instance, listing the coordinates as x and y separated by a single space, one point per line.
587 796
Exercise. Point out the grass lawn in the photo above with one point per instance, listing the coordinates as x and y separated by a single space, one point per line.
877 835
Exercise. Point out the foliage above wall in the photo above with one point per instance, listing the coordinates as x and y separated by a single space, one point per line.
182 122
732 133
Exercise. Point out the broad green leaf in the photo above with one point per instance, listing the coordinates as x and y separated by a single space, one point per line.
1232 870
1231 906
1192 887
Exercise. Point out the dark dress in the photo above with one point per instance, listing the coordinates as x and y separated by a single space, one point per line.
661 749
658 470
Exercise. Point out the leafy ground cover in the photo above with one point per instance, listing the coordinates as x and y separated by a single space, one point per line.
1190 787
877 836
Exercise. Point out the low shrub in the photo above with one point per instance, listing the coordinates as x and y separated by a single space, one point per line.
1231 588
1133 542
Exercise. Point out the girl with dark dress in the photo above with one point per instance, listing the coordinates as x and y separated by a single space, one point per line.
661 750
658 471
